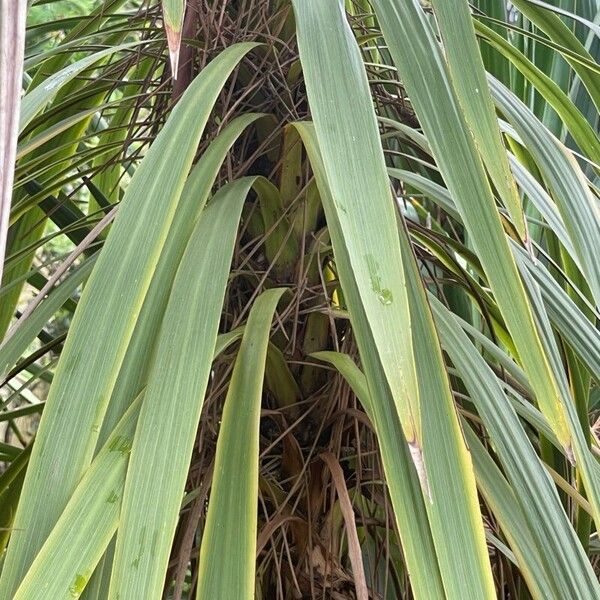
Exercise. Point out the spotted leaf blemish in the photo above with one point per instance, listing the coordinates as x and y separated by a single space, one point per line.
384 295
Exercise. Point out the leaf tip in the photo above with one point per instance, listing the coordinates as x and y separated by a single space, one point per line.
174 42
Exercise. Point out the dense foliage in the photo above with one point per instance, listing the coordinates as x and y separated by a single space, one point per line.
299 299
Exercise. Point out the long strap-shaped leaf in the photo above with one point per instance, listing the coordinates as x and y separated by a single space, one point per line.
469 79
564 560
41 95
560 33
65 562
407 500
164 439
228 551
445 453
346 128
424 73
365 221
12 46
104 321
14 347
582 132
454 514
502 500
136 364
577 206
574 326
509 512
63 566
587 463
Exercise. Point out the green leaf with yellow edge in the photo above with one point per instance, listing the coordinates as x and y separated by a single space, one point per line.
445 454
564 560
63 566
228 552
502 500
345 125
66 561
105 319
401 477
468 77
134 370
166 431
424 73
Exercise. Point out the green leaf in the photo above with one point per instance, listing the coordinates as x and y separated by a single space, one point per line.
35 100
507 510
564 560
401 477
228 551
574 326
165 435
337 87
65 563
17 342
445 454
576 204
424 73
134 370
560 33
61 569
469 79
583 133
105 319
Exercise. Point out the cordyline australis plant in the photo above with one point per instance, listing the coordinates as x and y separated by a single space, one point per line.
299 299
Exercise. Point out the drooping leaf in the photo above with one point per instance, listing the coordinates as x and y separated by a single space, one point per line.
469 80
228 551
64 565
165 435
110 304
425 76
